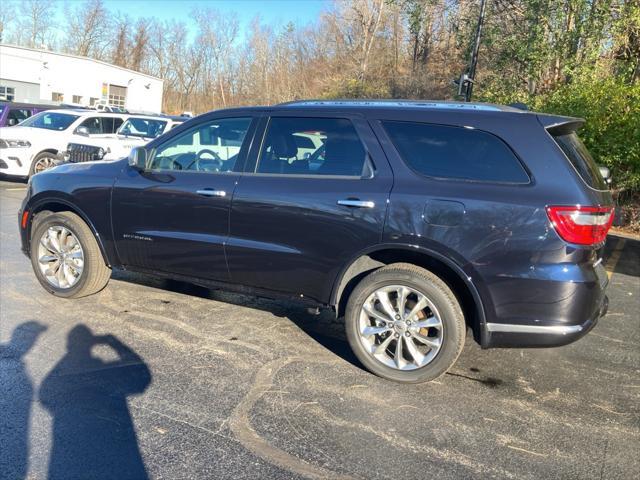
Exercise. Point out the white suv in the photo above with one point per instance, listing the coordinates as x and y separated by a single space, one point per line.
34 144
136 131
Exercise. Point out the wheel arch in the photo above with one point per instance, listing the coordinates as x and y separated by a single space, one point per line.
445 268
62 205
46 150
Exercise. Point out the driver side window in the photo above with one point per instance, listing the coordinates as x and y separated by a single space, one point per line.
209 147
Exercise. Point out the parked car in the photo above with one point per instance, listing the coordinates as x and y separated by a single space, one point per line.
136 131
419 222
12 113
33 146
104 107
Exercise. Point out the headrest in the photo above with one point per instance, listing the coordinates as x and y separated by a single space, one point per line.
283 144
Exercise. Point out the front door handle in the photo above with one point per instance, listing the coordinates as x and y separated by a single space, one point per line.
212 193
350 202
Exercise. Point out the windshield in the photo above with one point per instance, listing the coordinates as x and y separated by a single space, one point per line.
50 121
1 109
142 127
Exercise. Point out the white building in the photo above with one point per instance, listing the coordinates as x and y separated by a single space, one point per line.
40 76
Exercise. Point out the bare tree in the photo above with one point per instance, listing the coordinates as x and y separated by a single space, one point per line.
35 25
217 34
120 32
357 48
87 29
7 18
139 45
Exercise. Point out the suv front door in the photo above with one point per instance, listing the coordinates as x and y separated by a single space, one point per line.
298 217
174 217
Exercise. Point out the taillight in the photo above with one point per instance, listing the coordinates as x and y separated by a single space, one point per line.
581 225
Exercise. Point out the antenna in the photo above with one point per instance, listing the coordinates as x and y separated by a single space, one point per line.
467 80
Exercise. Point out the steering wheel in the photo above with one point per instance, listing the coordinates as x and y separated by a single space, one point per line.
217 161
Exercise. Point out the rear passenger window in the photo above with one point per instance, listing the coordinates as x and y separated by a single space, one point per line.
312 146
93 125
455 152
110 124
16 115
117 123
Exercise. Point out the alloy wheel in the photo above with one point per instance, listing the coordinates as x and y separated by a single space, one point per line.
60 257
44 163
400 327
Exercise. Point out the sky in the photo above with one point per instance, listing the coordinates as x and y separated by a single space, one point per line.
273 12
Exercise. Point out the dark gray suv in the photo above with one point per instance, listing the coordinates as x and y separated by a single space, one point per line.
416 221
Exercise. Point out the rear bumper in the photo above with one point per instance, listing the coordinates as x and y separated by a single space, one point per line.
502 335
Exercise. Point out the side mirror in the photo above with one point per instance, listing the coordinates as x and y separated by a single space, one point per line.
138 158
12 122
82 131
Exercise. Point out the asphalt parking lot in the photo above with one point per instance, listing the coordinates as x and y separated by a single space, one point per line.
164 380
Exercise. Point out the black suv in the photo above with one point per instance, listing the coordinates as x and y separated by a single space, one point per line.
416 221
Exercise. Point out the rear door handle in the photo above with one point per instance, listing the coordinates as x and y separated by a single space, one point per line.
212 193
349 202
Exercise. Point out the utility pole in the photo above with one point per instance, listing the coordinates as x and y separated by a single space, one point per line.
466 81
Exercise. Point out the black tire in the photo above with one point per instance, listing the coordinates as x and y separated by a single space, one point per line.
432 286
95 274
37 158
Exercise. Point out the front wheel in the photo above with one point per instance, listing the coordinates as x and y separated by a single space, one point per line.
66 257
43 161
405 324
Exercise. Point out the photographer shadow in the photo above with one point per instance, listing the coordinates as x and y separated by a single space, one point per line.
93 433
16 394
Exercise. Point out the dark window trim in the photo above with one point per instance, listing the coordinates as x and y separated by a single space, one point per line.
453 179
368 165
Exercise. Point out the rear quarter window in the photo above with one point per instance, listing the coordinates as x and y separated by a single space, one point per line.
455 153
581 160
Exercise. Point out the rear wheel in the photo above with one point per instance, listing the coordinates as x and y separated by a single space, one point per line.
405 324
66 257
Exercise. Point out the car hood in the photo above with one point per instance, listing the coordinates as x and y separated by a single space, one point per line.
115 141
23 133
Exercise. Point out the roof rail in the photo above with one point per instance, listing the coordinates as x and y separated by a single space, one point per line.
397 103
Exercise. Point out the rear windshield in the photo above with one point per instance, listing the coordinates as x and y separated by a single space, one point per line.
581 160
455 153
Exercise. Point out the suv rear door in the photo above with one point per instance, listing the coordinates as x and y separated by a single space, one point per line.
298 218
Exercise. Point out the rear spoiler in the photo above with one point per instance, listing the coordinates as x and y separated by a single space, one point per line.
559 125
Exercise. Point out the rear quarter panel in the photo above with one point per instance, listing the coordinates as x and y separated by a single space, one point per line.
503 241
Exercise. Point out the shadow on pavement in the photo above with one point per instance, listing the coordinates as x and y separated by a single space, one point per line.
323 328
93 433
622 255
16 396
9 179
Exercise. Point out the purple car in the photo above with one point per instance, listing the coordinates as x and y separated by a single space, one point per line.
13 113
